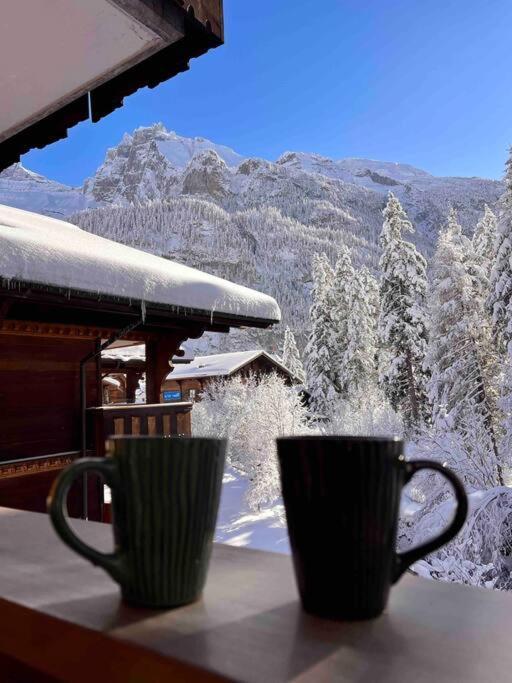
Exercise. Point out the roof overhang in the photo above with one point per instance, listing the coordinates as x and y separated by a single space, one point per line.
44 303
65 60
50 259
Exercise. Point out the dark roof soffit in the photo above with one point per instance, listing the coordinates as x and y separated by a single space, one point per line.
104 99
39 293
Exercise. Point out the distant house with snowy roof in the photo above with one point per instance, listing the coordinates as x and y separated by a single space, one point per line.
66 295
123 366
189 376
186 381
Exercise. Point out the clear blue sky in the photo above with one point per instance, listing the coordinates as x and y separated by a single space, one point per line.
427 82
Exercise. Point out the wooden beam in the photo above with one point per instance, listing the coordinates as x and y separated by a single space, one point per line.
38 465
64 331
132 384
158 356
99 384
4 308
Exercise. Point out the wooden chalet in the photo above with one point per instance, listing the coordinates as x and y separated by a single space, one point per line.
187 381
65 295
123 367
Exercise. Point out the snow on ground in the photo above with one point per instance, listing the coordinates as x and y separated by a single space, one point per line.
239 526
264 530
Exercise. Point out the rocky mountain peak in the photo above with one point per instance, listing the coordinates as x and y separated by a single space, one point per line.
134 171
206 174
148 163
253 166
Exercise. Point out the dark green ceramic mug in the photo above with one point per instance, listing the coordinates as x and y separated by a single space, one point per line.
165 498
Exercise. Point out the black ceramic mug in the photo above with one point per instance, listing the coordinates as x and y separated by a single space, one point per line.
165 498
342 499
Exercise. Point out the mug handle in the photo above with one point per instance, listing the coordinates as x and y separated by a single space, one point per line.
113 563
404 560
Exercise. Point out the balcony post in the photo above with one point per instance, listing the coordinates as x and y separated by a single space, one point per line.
132 383
159 352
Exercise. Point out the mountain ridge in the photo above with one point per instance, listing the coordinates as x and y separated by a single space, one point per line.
250 220
148 164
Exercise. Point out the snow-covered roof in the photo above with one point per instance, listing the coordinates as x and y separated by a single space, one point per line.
43 250
124 354
138 352
112 381
220 365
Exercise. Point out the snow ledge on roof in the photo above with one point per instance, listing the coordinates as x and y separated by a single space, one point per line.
43 250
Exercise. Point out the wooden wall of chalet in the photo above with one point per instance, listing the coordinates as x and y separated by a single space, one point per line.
40 394
40 416
25 486
184 386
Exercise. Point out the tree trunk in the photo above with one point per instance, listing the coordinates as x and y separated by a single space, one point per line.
488 422
412 388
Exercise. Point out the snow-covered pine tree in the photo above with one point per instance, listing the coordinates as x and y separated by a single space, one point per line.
500 302
461 358
363 330
355 329
501 274
402 322
340 301
290 356
484 240
505 404
371 287
320 374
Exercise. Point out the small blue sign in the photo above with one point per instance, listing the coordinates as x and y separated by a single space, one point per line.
172 395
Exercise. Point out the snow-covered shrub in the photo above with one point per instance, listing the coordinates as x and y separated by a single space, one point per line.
251 413
476 465
140 392
481 555
368 413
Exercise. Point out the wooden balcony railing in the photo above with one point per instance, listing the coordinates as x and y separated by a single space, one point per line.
248 627
158 419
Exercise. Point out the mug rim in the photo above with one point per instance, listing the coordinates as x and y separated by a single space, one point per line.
341 438
160 437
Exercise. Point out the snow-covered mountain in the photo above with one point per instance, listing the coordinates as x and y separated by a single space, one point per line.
147 165
350 170
254 221
153 164
25 189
